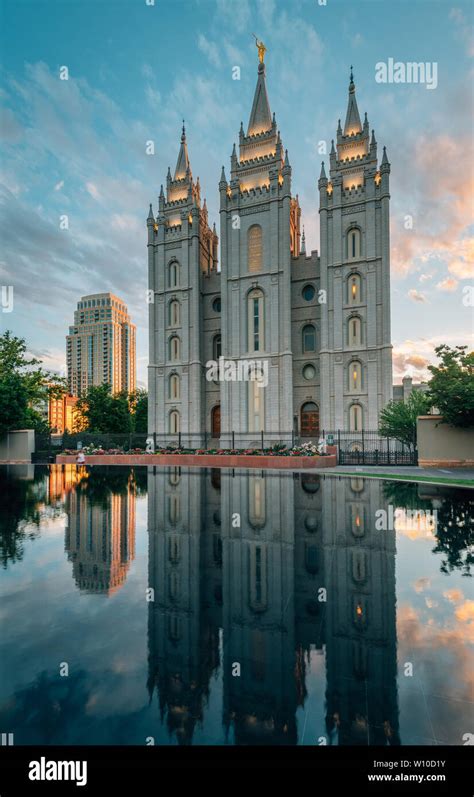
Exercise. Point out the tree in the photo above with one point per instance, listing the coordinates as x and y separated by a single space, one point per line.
100 411
141 411
398 418
451 387
23 387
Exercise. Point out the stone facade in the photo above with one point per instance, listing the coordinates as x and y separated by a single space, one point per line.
316 326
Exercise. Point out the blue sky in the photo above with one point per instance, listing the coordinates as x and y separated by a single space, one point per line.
77 147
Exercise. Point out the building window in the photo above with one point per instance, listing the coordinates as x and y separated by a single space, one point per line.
257 513
174 508
256 340
309 338
174 274
353 289
258 578
216 305
254 248
309 292
354 331
256 406
353 244
355 376
174 348
355 418
174 391
309 372
173 549
216 347
174 313
174 422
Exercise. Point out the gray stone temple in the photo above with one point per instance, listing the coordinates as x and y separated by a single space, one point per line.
319 323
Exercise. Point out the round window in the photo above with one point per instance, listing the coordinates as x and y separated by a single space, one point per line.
216 305
309 293
309 372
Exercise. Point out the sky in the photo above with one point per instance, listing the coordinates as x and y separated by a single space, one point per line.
136 68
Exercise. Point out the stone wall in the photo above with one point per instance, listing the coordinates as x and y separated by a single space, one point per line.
17 446
440 445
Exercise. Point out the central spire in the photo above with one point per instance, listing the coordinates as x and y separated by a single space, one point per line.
352 124
182 163
260 117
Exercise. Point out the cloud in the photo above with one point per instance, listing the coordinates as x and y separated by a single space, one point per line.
449 284
210 49
59 185
422 584
93 190
417 296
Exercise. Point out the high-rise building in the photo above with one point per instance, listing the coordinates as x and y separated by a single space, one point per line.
320 322
61 412
101 345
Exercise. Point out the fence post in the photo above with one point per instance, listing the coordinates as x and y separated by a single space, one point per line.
179 439
205 440
233 439
339 446
154 442
262 438
293 438
388 451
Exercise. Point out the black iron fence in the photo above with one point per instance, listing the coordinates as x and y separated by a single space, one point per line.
366 447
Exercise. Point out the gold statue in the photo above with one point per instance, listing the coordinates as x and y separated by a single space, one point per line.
261 49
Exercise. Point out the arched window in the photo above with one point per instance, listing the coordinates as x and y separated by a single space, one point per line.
309 338
174 422
353 289
354 329
216 347
257 513
174 508
174 548
256 404
174 313
174 391
355 418
175 348
255 308
353 244
254 248
174 274
355 376
258 577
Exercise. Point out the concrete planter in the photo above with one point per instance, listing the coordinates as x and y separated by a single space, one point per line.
207 460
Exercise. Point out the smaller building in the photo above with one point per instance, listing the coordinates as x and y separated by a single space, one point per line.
403 391
61 413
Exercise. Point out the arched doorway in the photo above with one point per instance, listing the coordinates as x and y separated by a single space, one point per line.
216 421
310 419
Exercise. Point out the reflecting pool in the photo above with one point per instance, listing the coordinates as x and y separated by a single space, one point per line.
175 606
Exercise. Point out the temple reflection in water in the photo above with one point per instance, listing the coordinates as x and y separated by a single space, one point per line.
253 572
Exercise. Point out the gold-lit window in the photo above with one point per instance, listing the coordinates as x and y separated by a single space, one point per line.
353 289
355 377
254 248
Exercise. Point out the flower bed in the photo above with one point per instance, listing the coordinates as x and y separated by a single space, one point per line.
304 450
230 458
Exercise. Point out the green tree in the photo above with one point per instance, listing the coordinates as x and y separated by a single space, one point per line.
24 386
451 387
100 411
398 418
141 411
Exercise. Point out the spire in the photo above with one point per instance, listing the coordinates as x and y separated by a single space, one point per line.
352 124
322 176
150 214
303 244
385 165
223 177
182 164
260 117
287 160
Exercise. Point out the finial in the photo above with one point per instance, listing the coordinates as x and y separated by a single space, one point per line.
339 128
287 160
333 151
223 177
352 76
372 140
322 176
162 193
183 134
303 243
150 213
